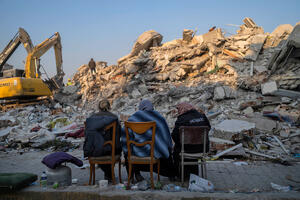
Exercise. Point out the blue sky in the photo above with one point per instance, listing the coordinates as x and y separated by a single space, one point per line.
106 30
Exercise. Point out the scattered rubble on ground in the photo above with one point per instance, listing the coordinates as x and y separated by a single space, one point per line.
248 84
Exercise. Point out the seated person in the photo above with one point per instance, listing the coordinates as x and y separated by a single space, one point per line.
95 136
188 116
162 146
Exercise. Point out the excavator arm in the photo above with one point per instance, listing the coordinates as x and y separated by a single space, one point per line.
32 60
20 37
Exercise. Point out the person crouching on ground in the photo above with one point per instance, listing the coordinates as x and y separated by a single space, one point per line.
188 116
95 136
162 146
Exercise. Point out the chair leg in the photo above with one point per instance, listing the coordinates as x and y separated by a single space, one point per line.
91 174
202 169
158 166
94 174
129 174
120 175
113 173
182 173
151 175
205 170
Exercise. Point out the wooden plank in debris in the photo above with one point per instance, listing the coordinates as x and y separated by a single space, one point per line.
232 54
259 154
281 145
226 151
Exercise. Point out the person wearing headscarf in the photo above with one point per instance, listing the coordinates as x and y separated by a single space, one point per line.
163 141
95 136
187 116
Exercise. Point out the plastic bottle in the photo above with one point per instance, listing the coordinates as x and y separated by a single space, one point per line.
43 180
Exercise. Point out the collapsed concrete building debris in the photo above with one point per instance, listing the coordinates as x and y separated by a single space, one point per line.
233 79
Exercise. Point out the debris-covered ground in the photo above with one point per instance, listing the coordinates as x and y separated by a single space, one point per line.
248 85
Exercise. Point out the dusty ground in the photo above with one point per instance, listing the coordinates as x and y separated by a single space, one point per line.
226 176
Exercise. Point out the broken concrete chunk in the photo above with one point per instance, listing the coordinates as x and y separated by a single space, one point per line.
135 93
248 111
187 35
70 89
256 45
268 88
279 60
263 124
219 93
260 69
213 36
4 132
233 129
230 93
144 42
282 30
143 89
131 69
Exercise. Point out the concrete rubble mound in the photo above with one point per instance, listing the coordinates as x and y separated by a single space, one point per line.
248 84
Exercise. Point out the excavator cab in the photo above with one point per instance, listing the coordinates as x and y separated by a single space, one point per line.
27 84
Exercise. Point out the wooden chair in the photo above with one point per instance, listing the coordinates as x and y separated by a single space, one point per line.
141 128
193 135
111 159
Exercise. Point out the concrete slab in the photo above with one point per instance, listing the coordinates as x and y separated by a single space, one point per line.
232 128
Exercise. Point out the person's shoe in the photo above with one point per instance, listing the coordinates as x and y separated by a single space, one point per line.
138 177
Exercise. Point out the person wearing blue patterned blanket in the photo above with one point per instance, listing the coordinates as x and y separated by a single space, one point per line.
162 146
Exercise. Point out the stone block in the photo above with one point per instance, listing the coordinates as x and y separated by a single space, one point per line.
219 93
268 88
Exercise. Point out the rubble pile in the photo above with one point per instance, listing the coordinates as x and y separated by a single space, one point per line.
41 127
247 84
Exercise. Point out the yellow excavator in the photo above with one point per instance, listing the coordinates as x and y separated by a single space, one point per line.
27 84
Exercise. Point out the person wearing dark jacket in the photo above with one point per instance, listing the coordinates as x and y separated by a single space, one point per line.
92 66
95 136
188 116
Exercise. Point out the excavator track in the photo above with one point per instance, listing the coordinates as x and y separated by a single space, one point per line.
19 103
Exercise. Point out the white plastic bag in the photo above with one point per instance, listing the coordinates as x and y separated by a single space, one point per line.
197 184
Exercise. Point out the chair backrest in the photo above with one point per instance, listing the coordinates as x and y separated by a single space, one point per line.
193 135
111 142
140 128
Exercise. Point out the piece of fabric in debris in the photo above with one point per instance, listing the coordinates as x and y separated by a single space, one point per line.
279 117
76 134
146 105
184 107
54 160
163 141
